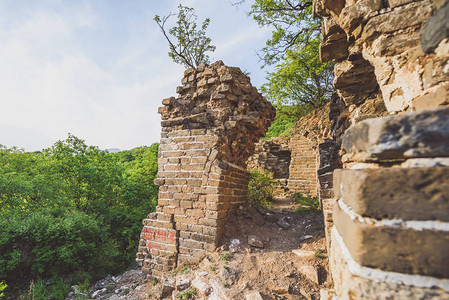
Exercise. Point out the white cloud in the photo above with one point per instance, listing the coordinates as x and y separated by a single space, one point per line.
66 68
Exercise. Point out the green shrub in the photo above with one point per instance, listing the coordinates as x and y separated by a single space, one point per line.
320 253
261 188
55 289
3 286
59 289
187 294
306 203
72 211
53 242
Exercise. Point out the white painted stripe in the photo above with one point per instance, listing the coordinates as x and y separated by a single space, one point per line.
396 223
386 276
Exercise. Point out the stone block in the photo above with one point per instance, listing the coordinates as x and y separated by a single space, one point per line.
419 134
254 296
435 96
352 15
396 193
354 80
393 248
334 50
435 29
412 15
352 281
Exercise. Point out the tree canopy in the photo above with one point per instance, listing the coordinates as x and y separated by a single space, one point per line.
190 43
72 211
300 82
292 23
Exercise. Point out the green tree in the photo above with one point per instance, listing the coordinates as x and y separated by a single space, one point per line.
292 23
91 177
72 210
191 43
299 80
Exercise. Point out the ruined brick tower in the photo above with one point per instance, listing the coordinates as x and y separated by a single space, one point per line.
208 133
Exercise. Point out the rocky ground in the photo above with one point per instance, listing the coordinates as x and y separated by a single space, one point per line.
264 254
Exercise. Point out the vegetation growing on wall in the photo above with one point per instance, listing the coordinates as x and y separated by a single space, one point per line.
72 211
188 45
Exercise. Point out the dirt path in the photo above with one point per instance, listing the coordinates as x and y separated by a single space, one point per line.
283 204
264 254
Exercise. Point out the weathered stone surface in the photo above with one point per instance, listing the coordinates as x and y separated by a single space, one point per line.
395 43
352 15
435 29
168 286
182 283
350 286
202 286
395 249
334 6
421 134
331 30
304 253
426 162
396 3
435 96
335 50
255 241
413 15
354 80
396 193
327 294
254 296
387 72
310 272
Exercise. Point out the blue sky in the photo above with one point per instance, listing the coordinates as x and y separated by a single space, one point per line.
99 69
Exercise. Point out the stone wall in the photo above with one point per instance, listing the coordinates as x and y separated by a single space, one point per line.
303 178
306 135
391 229
293 158
208 133
391 57
273 155
387 53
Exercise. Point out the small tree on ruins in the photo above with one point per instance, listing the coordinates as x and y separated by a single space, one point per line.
191 43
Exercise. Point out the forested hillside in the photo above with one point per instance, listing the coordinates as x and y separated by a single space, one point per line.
71 213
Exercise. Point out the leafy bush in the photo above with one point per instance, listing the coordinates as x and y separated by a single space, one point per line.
187 294
3 286
54 242
261 188
306 203
72 211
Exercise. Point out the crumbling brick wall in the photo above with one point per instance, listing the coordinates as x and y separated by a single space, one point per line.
208 133
306 135
294 158
273 155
